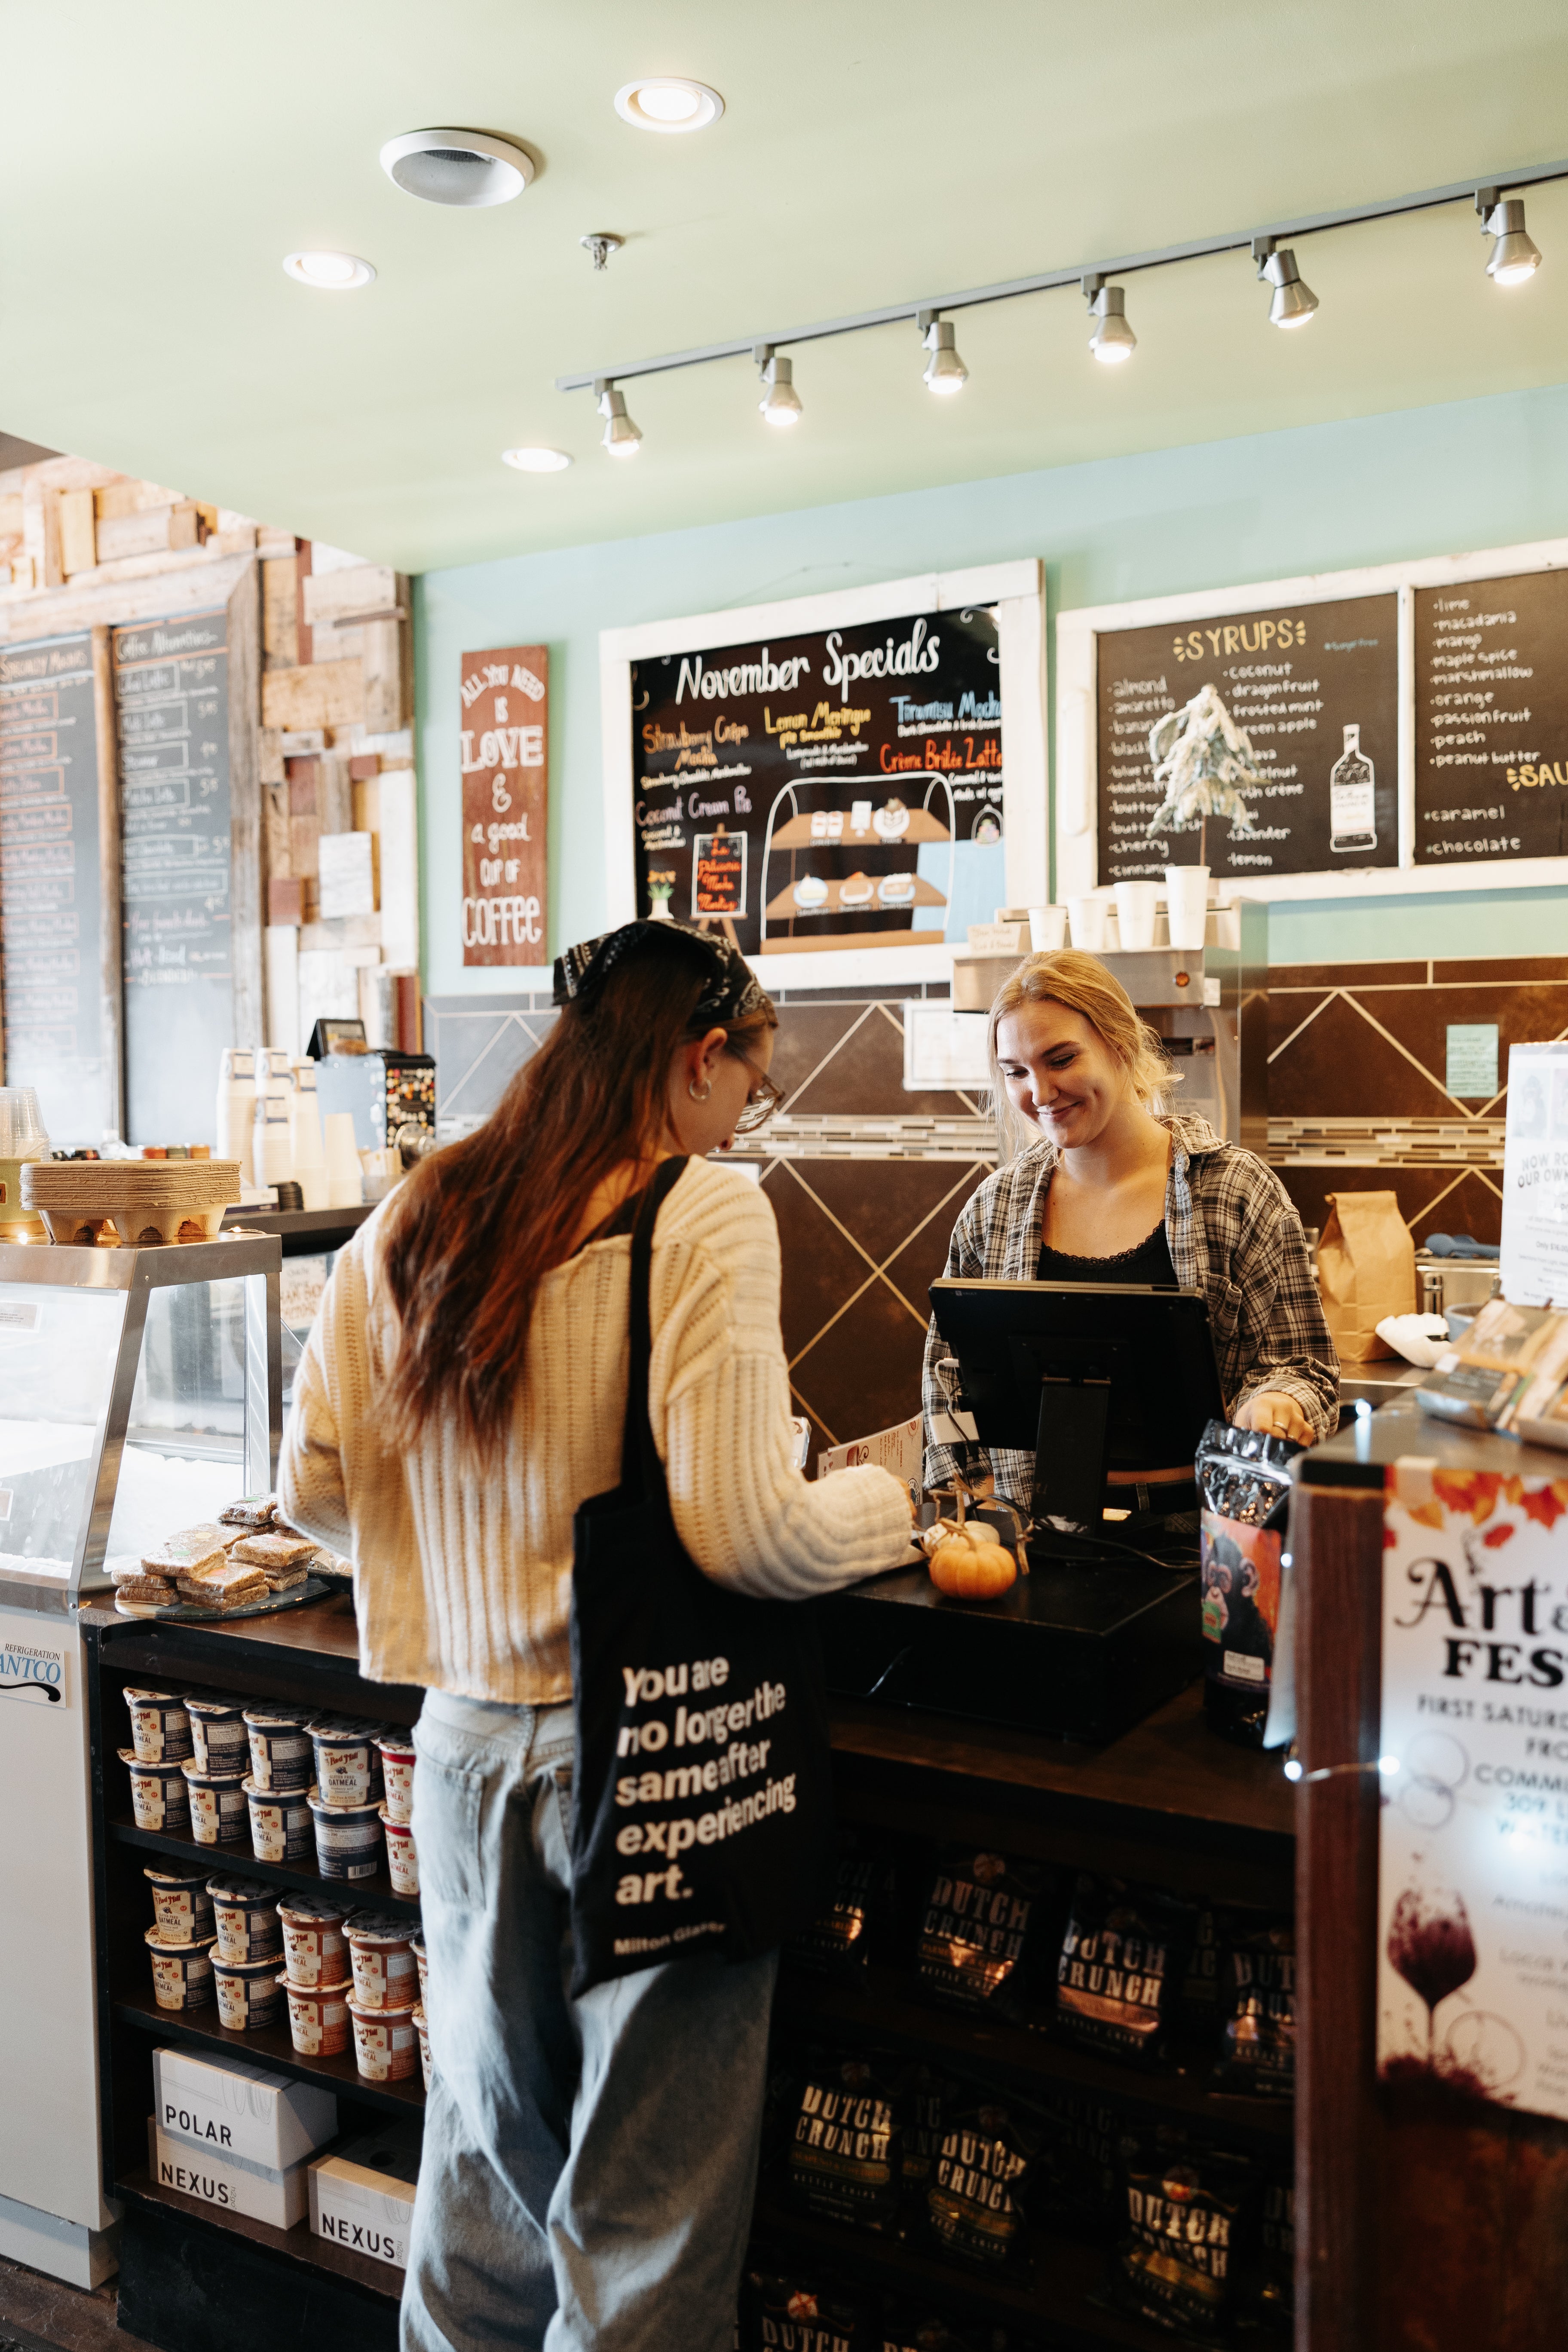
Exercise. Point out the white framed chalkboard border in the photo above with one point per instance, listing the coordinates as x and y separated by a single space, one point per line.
1077 745
1016 590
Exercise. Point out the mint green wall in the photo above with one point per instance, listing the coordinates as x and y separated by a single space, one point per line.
1429 481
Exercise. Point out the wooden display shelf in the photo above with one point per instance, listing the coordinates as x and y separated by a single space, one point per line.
1051 2299
266 2045
888 2011
298 2247
786 909
798 833
356 1894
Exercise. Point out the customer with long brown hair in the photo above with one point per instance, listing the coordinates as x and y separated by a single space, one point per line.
589 2164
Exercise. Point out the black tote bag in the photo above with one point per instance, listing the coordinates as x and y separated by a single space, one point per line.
703 1803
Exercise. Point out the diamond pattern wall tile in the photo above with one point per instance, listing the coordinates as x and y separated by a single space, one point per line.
1430 1201
865 1373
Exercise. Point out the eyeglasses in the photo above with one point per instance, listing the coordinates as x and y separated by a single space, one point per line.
762 1102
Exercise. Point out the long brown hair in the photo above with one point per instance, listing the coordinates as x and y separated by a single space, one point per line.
474 1229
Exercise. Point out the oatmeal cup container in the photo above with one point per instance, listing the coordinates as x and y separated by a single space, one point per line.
281 1755
218 1733
417 1944
318 2018
160 1726
247 1993
397 1774
315 1952
245 1914
218 1806
421 2027
160 1793
401 1861
348 1838
385 2043
347 1762
182 1973
381 1958
280 1828
182 1907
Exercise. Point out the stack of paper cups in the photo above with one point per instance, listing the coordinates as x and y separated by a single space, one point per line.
274 1101
305 1137
345 1188
236 1109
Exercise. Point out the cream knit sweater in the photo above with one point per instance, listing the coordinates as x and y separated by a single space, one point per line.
464 1584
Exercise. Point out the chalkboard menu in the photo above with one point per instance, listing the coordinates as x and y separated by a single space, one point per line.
50 897
170 691
810 792
1316 687
1491 720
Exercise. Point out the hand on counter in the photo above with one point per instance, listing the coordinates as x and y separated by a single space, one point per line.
1277 1415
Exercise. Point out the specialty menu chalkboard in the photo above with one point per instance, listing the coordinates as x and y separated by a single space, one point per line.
170 691
50 895
1316 687
1491 719
810 792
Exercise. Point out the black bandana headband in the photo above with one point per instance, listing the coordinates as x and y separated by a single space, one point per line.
731 992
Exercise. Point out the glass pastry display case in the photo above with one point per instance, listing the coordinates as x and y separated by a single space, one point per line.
140 1390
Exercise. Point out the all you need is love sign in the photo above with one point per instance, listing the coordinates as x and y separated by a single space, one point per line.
505 738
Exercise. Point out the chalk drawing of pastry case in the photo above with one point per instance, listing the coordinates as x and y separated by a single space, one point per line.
1353 804
866 829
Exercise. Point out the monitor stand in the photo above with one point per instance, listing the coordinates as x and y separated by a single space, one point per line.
1070 1470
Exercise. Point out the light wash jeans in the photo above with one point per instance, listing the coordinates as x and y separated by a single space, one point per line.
589 2165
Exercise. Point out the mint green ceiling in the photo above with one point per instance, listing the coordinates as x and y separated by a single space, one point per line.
156 163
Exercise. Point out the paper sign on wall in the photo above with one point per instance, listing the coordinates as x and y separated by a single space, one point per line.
1473 1832
1534 1265
505 754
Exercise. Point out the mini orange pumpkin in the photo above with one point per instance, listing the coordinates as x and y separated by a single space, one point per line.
971 1571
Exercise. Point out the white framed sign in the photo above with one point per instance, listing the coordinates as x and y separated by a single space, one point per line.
826 777
1476 739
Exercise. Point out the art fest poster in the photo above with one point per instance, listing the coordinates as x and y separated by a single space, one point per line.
1473 1844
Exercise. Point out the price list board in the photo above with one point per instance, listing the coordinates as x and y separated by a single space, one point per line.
1316 689
811 792
1491 720
51 889
170 693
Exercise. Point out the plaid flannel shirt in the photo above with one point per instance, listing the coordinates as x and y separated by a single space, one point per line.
1233 1234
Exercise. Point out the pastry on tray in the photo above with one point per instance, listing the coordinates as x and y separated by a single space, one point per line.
150 1592
856 891
272 1552
216 1582
253 1511
187 1549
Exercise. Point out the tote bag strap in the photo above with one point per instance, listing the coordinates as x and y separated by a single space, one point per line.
636 1437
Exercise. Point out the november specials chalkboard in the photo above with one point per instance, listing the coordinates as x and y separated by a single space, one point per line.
808 793
170 692
1316 687
1491 720
50 897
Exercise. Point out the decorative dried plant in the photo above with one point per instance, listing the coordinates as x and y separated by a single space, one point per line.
1203 763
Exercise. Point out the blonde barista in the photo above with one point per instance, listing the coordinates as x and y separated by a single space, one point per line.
1111 1187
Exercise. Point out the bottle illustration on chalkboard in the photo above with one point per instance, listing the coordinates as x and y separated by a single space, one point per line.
1352 812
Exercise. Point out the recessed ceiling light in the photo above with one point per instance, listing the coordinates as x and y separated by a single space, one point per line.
666 102
333 273
536 461
458 167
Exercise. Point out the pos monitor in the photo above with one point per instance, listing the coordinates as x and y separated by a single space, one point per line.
1108 1385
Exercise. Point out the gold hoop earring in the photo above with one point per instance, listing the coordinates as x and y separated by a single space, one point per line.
702 1093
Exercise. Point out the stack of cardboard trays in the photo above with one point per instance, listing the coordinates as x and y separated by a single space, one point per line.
234 2135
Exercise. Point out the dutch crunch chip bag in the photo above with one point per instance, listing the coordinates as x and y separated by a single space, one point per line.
1082 2180
980 1917
1186 2208
1258 2046
838 1943
845 2158
786 2309
977 2194
1123 1960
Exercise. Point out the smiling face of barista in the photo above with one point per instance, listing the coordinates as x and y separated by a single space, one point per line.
1060 1074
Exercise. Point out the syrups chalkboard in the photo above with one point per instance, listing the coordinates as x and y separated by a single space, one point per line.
1491 720
170 691
1298 678
50 897
810 791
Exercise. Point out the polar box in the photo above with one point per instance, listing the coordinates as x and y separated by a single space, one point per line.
232 2109
361 2196
233 2183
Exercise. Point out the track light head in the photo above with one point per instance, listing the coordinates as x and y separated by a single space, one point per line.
620 436
1293 302
780 404
1113 339
1515 258
945 372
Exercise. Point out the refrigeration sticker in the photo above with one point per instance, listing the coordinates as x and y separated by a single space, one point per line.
20 1314
32 1672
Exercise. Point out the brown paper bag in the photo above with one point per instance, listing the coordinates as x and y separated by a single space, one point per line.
1366 1269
